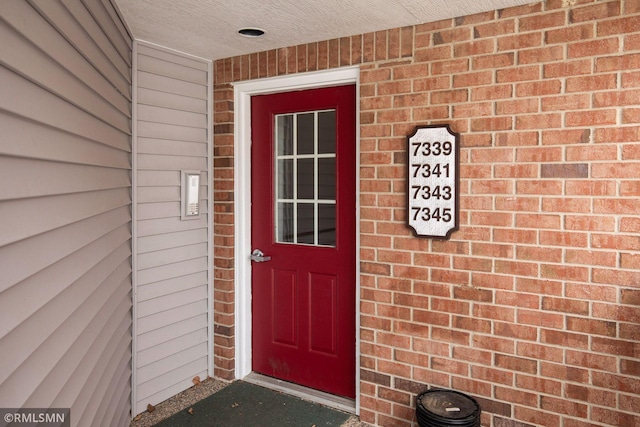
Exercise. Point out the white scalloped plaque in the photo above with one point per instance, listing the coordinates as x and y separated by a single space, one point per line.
433 181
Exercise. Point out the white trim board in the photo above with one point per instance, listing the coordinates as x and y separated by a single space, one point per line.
243 91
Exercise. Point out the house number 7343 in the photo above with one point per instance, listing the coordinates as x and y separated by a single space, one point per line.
432 190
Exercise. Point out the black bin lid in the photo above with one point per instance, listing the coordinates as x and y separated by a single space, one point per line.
448 405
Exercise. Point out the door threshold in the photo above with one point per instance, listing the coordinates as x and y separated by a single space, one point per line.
336 402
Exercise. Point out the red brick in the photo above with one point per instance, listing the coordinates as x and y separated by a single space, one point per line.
494 61
591 292
566 205
591 395
546 254
566 102
614 99
516 396
547 187
569 34
539 55
614 418
564 373
540 352
539 121
475 47
629 61
496 28
519 41
627 24
586 257
597 11
538 384
541 319
563 406
617 134
491 312
591 118
592 48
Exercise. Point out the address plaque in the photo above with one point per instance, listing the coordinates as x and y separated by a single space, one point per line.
433 181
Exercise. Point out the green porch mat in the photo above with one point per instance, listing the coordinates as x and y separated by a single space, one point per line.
248 405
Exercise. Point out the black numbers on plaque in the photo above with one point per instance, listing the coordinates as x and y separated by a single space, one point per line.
435 148
427 170
426 192
428 214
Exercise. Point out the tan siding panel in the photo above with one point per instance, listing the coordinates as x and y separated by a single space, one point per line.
172 57
157 305
173 117
172 259
53 111
23 138
168 271
159 162
69 376
27 257
78 275
172 347
185 383
62 210
159 194
153 338
169 85
156 321
65 210
23 57
171 100
164 131
158 258
28 22
169 286
169 225
153 65
111 28
167 364
105 306
168 147
37 178
153 178
78 26
169 240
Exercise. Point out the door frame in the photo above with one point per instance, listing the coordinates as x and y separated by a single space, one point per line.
243 91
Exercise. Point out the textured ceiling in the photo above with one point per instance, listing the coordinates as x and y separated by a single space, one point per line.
209 28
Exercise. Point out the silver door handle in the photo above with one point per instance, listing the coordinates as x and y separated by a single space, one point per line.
258 256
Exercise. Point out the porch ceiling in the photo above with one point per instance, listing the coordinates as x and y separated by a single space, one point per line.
209 28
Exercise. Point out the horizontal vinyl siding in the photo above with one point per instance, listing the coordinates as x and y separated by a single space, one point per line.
65 209
172 255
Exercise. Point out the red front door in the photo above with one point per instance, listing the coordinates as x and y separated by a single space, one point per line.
303 217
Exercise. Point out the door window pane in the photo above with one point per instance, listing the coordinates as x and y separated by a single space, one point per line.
306 223
285 181
306 178
285 222
284 134
327 178
327 225
305 133
327 132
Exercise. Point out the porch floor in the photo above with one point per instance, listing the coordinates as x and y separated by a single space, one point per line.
220 404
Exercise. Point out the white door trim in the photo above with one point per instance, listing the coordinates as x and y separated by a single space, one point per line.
242 203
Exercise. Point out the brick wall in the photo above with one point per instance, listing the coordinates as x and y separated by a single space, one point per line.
533 306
